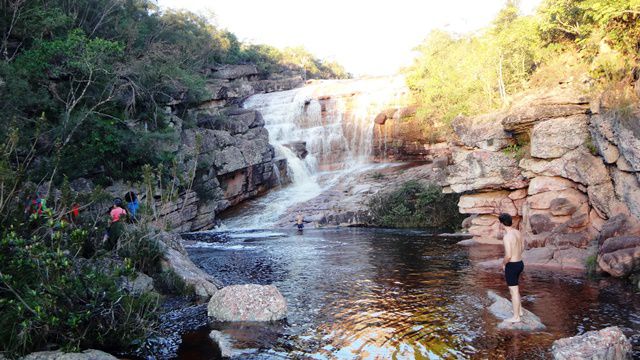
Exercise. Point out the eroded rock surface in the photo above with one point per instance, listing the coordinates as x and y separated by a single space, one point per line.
607 344
247 303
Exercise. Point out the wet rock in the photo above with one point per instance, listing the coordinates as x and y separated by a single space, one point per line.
620 256
59 355
380 119
503 309
606 344
299 148
247 303
224 343
549 138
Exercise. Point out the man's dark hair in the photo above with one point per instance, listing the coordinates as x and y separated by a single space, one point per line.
505 219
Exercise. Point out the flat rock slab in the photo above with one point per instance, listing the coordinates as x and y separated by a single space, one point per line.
502 309
227 345
606 344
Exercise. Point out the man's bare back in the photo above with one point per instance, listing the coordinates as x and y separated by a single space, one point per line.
513 244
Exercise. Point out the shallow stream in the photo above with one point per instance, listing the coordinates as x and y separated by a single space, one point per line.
395 294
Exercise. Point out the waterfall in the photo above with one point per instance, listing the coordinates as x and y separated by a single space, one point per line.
333 117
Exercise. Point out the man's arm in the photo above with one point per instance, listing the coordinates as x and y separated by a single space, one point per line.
508 240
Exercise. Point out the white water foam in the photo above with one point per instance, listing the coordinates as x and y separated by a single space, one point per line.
335 119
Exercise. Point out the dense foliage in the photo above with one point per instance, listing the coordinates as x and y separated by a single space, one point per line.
416 205
472 74
92 78
52 296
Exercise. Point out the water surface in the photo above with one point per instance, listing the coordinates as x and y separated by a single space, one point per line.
397 294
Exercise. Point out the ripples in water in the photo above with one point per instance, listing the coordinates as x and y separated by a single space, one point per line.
377 294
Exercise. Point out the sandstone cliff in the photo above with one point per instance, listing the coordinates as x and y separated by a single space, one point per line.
567 170
228 147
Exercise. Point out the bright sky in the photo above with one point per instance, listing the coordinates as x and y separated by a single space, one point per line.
367 37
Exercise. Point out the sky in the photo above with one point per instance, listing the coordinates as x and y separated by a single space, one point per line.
367 37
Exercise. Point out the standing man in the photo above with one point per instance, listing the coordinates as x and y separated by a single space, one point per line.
512 263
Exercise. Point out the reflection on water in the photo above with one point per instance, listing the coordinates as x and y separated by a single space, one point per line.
380 294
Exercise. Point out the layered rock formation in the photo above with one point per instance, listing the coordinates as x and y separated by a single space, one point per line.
564 169
222 151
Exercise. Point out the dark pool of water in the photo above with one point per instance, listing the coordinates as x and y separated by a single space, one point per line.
382 294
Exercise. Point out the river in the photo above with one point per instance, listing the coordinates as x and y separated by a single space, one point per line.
395 294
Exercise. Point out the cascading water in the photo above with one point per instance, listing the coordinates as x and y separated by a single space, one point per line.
333 121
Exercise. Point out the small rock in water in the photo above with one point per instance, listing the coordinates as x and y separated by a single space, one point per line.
226 345
503 309
606 344
247 303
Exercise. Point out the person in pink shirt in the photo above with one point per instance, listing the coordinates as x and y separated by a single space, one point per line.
117 216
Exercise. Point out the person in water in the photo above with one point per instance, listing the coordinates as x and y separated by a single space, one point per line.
300 221
512 263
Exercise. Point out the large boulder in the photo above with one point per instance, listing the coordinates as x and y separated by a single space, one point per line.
542 104
487 203
549 138
620 256
503 309
484 170
542 184
247 303
59 355
482 131
607 344
578 165
175 259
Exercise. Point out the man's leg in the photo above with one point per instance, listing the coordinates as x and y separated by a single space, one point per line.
515 300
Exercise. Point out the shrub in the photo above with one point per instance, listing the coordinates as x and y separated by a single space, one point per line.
517 151
415 204
49 297
138 245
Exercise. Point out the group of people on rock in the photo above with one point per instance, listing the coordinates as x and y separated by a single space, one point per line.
119 212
